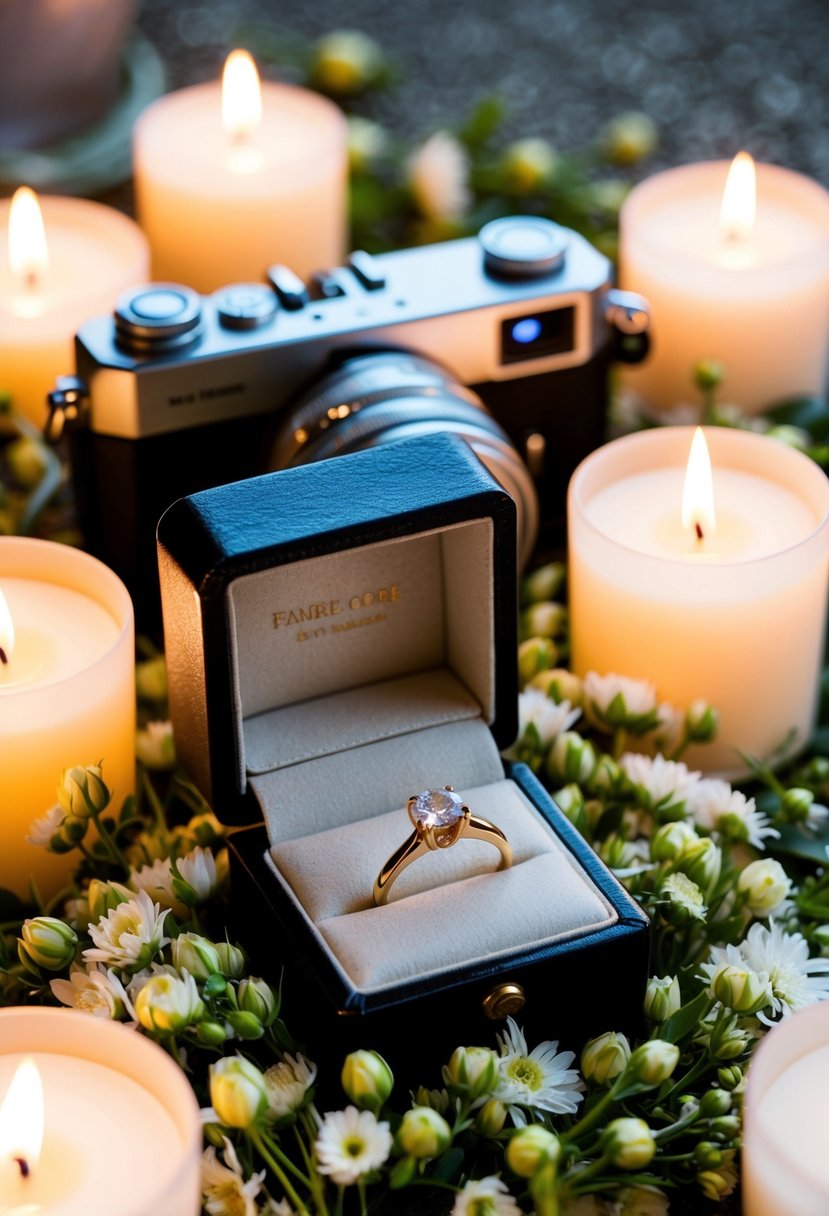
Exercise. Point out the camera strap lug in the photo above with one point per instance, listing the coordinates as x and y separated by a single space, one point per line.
66 402
628 315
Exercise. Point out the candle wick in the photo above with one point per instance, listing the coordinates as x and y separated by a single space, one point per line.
4 658
23 1166
31 280
698 530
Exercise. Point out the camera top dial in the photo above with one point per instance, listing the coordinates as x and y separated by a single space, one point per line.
157 317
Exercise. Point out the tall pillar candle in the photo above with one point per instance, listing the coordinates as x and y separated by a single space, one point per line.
736 618
785 1167
222 198
53 278
103 1120
67 693
753 295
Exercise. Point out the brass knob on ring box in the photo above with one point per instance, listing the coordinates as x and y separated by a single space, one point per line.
504 1000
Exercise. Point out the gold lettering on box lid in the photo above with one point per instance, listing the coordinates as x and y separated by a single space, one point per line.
308 613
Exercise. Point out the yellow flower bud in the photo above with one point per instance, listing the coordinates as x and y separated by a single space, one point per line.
424 1133
628 1143
237 1092
367 1079
530 1148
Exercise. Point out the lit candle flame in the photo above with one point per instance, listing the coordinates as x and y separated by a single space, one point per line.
241 97
6 631
739 200
28 252
22 1118
698 490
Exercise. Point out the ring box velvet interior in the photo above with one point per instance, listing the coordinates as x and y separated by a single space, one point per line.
338 637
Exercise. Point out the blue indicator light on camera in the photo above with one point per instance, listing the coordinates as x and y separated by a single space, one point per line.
526 330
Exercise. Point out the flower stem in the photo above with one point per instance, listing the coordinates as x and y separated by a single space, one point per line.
586 1122
270 1160
110 845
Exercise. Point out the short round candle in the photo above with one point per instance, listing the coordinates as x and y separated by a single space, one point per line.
121 1127
92 254
755 298
737 619
67 693
785 1167
221 205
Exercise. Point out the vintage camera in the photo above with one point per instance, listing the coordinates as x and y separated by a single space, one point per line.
505 338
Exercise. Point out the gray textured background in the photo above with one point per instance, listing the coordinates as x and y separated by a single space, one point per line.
716 75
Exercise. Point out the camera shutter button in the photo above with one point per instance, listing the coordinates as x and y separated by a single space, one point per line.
245 305
523 247
158 316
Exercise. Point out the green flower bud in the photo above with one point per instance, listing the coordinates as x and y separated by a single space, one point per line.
628 1143
367 1079
195 954
534 655
151 679
571 758
653 1062
814 773
424 1133
701 722
83 791
605 1058
671 840
559 685
708 374
606 776
211 1034
715 1102
231 960
245 1025
70 834
765 885
701 861
47 942
104 896
727 1039
216 985
347 62
438 1099
796 804
471 1072
491 1118
730 1077
204 829
681 900
629 138
27 460
168 1004
545 583
154 746
545 620
741 990
367 143
662 997
258 998
528 165
725 1127
531 1147
708 1155
570 800
792 436
237 1092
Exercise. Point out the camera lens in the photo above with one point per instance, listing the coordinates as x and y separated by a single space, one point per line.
385 396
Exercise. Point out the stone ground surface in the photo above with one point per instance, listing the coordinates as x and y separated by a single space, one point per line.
716 75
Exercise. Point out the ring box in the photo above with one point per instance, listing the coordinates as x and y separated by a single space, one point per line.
343 635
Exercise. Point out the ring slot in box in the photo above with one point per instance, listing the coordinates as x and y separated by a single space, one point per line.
340 637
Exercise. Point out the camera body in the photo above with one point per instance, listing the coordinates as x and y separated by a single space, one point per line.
177 393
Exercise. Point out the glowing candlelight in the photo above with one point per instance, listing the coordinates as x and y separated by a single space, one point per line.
21 1118
698 490
241 97
28 251
739 200
6 631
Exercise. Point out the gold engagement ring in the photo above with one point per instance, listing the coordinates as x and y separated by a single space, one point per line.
440 819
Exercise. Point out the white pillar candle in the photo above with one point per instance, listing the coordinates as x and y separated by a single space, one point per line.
785 1166
120 1124
48 289
67 693
737 618
221 202
755 297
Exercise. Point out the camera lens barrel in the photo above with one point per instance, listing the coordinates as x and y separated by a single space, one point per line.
385 396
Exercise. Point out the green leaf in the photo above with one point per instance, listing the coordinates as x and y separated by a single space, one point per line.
685 1019
809 413
483 122
450 1165
795 843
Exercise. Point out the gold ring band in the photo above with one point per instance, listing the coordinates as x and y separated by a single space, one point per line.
440 819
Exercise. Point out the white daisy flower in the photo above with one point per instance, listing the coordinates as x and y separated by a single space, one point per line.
287 1084
548 719
485 1197
130 935
658 783
225 1190
716 807
438 173
613 701
540 1080
93 990
796 979
44 828
351 1143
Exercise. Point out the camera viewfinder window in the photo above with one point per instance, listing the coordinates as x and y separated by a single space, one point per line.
537 335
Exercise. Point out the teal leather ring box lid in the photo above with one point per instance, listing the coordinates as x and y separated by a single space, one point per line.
341 637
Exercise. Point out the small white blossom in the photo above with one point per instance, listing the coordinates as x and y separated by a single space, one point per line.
130 935
612 701
485 1197
765 885
154 745
659 783
538 1080
225 1190
157 881
287 1084
351 1143
796 979
548 718
93 990
438 173
44 828
202 872
716 807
